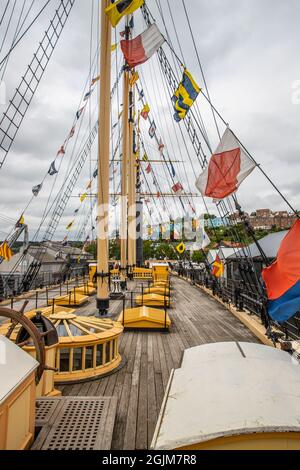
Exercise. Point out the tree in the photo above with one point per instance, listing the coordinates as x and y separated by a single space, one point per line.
148 250
164 250
92 248
114 249
198 257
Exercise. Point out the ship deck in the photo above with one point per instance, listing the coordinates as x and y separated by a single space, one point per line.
139 386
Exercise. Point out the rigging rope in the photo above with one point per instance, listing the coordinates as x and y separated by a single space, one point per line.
14 45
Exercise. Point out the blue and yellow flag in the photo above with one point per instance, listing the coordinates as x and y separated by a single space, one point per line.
115 11
185 95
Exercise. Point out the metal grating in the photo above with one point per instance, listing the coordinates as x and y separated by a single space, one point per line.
78 423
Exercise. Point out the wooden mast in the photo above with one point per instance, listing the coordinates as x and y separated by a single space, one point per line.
125 151
131 186
103 163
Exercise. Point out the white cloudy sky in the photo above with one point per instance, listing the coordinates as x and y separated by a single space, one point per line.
250 54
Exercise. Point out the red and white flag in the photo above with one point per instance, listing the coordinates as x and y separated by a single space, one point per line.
177 188
72 132
161 146
138 50
226 170
61 151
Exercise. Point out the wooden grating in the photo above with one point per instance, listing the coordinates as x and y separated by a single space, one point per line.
78 423
45 407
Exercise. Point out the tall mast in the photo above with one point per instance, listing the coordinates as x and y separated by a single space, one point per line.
131 185
139 202
103 163
125 151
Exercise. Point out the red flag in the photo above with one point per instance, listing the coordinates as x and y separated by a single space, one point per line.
148 168
138 50
285 271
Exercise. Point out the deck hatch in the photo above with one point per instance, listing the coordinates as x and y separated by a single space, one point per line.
78 423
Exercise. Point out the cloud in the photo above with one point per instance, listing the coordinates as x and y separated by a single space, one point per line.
248 50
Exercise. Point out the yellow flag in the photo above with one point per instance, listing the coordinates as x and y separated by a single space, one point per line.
21 221
116 11
180 248
5 251
83 197
94 80
114 47
69 226
134 78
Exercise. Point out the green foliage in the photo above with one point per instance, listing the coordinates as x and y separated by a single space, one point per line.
198 257
114 249
148 249
92 249
164 250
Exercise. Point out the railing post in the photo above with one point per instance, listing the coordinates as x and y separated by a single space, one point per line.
124 301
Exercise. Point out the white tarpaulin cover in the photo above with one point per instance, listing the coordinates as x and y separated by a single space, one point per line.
227 389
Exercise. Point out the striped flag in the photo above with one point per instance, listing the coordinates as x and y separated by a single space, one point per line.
138 50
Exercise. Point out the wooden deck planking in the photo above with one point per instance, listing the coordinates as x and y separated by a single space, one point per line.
139 386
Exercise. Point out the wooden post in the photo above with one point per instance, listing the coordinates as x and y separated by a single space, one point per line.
103 162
